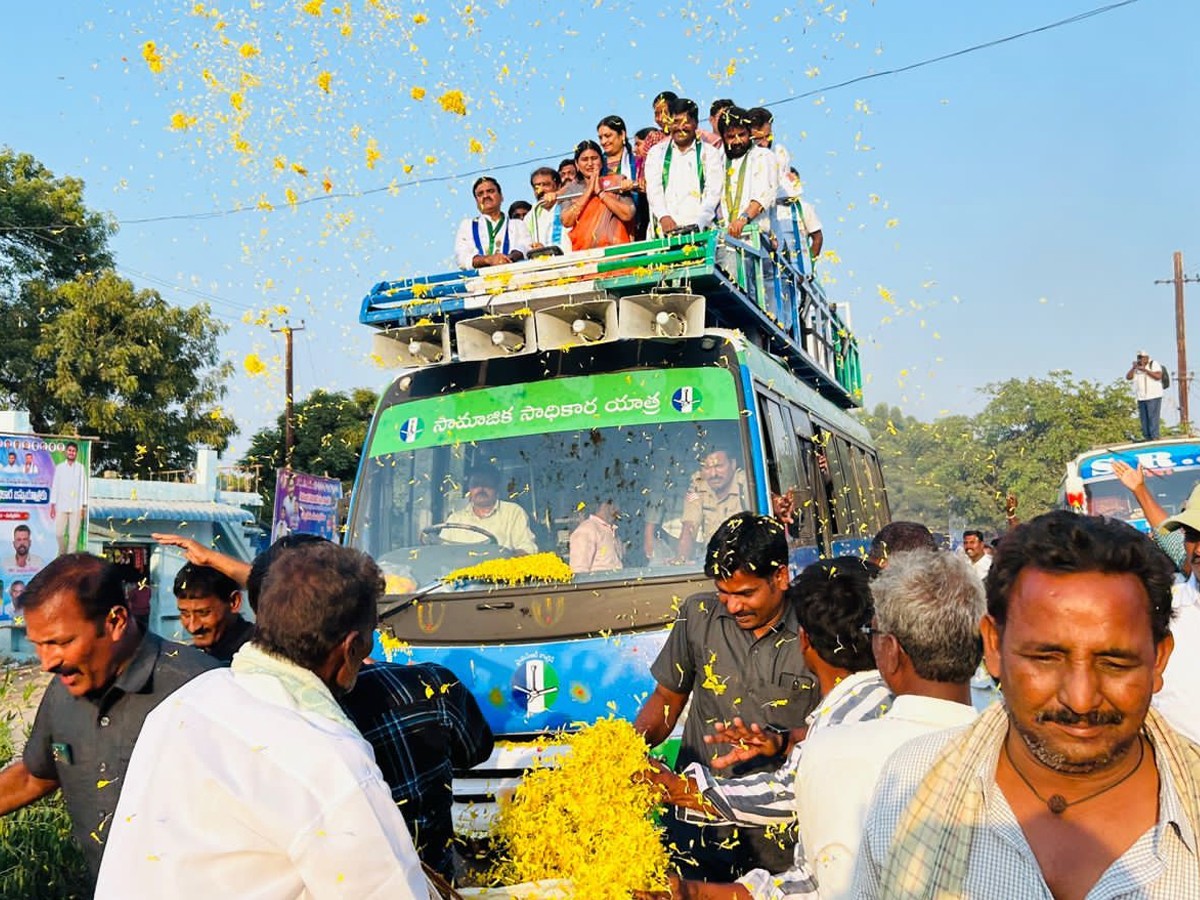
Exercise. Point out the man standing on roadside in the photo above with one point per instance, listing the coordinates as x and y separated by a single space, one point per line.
976 550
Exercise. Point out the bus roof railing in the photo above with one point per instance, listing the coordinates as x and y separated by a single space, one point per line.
768 297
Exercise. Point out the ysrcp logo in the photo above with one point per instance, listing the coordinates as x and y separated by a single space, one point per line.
411 429
686 400
535 685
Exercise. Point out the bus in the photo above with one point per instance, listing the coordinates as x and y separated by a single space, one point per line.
1171 467
601 377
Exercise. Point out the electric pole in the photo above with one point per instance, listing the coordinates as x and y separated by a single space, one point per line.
287 330
1180 339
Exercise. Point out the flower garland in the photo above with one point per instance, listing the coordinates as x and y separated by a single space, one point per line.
535 567
580 816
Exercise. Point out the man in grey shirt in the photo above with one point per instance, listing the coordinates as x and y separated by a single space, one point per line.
109 676
735 653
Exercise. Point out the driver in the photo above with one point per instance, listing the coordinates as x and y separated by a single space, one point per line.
503 520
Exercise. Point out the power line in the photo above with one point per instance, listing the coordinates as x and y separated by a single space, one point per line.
439 179
1071 20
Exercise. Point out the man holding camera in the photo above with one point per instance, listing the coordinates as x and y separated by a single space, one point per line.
1147 377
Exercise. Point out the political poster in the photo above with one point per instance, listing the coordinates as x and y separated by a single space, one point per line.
43 506
305 504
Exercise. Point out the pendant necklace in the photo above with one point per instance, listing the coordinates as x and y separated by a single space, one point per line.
1057 803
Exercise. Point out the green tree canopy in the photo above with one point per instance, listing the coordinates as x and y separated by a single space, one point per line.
82 350
1020 442
124 365
330 429
45 229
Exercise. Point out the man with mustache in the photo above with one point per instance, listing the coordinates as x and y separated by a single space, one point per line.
751 178
735 653
209 605
683 175
1072 786
110 676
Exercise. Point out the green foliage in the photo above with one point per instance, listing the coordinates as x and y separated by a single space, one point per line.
328 440
39 859
82 350
1019 443
99 357
47 232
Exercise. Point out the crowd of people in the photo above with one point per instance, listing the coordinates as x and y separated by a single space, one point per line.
671 178
832 746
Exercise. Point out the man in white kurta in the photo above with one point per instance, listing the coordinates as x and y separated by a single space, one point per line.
491 238
250 781
544 220
68 500
751 178
684 176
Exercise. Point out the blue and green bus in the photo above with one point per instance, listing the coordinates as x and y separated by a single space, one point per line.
1171 467
602 376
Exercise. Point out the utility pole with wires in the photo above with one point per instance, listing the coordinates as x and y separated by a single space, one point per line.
289 424
1182 375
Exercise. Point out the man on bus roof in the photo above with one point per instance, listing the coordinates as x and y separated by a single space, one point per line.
1147 378
491 238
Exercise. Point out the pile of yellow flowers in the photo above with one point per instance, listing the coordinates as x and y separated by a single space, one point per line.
581 817
515 570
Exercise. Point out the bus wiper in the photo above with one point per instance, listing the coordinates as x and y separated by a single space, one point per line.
412 598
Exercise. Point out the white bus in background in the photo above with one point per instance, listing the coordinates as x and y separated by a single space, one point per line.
1171 467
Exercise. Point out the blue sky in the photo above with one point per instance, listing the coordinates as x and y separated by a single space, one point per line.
994 216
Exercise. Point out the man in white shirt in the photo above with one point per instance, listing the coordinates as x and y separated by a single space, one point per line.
595 546
1179 699
1147 378
544 221
491 238
751 177
68 500
486 515
925 638
251 781
684 175
976 551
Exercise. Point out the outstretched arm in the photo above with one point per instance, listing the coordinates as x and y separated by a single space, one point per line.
659 714
199 555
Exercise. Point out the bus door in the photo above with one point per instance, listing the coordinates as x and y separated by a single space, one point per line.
786 473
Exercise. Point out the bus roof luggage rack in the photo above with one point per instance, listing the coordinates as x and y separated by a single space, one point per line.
764 295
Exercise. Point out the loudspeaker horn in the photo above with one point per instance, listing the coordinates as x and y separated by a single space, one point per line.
417 345
661 315
576 324
491 337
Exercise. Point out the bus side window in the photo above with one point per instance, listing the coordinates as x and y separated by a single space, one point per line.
782 461
806 506
827 487
841 508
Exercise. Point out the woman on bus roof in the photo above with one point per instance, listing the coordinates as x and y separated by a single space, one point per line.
601 216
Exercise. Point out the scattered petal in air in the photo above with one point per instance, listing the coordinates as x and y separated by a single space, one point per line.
152 57
891 223
253 364
420 19
372 153
473 146
417 93
181 121
314 7
453 102
324 80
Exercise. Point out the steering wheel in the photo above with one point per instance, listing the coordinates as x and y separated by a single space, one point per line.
434 532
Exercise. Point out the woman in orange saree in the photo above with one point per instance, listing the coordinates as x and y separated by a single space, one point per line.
601 217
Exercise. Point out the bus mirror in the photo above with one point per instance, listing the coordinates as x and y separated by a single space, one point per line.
419 345
489 337
575 324
661 315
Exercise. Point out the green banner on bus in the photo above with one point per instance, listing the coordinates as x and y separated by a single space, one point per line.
561 404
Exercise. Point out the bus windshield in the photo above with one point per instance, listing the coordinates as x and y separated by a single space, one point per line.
455 479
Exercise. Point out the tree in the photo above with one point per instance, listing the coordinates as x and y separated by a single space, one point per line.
1020 443
83 351
126 366
329 434
46 231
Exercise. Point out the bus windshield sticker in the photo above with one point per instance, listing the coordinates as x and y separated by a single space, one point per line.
561 404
